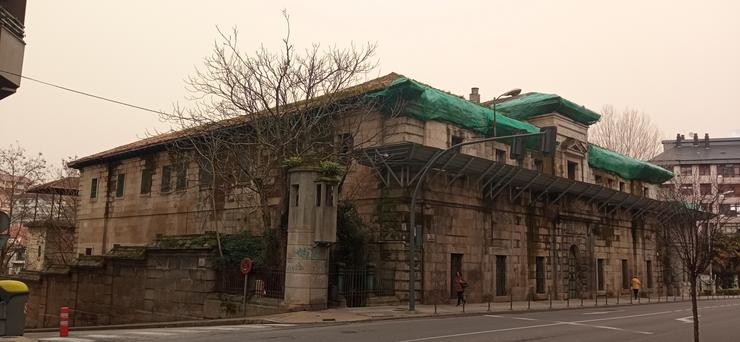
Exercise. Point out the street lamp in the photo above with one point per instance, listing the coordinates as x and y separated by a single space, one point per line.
548 135
513 92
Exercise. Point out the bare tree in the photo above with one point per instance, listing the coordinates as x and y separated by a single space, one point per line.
18 171
691 227
631 133
250 113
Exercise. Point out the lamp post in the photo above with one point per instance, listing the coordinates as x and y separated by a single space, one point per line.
412 209
513 92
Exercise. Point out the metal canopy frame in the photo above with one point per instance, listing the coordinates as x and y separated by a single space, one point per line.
493 177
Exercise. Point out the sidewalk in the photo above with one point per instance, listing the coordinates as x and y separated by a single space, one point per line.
401 311
358 314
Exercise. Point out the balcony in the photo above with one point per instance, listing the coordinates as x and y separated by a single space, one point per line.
12 47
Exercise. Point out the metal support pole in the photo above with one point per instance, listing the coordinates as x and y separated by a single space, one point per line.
511 299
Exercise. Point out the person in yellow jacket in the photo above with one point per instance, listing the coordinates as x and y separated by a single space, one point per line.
636 284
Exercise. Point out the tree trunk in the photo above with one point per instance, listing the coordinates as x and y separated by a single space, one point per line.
694 309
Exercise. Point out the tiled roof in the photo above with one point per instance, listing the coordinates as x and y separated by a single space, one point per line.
65 186
160 140
725 150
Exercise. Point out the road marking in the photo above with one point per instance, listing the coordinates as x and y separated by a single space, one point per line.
601 312
609 328
149 333
623 317
525 318
481 332
104 336
280 325
67 339
689 319
494 316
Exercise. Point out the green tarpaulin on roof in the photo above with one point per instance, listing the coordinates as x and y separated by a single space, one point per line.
426 103
626 167
533 104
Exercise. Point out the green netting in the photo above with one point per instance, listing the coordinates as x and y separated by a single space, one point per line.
426 103
534 104
626 167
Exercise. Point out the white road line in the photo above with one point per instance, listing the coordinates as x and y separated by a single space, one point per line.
689 319
609 328
481 332
525 318
149 333
279 325
623 317
104 336
494 316
67 339
601 312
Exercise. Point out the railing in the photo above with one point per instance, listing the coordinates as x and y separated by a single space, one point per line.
262 283
10 22
356 284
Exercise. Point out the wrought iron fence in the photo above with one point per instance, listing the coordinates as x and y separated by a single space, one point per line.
261 282
357 284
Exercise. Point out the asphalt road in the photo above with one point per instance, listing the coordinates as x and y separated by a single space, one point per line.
670 322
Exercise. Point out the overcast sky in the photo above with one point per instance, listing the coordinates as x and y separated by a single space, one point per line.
678 61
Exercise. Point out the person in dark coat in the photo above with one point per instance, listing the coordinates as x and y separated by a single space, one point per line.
460 285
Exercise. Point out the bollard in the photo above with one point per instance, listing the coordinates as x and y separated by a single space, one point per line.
529 301
511 299
63 321
567 300
619 294
549 297
581 300
674 295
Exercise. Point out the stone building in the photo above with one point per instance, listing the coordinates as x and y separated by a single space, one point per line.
706 167
577 222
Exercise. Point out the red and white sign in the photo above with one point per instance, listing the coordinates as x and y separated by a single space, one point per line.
246 265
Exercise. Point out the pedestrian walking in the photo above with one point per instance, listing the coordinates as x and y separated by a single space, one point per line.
636 284
460 285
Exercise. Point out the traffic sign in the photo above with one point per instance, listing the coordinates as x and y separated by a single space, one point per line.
246 265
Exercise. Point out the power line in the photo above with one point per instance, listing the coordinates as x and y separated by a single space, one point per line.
83 93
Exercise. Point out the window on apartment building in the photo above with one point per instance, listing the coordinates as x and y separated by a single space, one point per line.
538 165
205 174
182 177
572 170
88 251
146 181
649 273
600 273
685 170
94 188
500 156
729 209
704 170
120 184
625 275
540 274
166 185
500 275
621 186
705 189
687 189
318 194
728 170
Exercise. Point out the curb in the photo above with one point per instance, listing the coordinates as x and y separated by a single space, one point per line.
176 324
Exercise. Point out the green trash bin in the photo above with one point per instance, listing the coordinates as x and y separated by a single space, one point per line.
13 297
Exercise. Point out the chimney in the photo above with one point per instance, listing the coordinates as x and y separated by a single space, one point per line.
678 139
474 96
696 139
706 140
